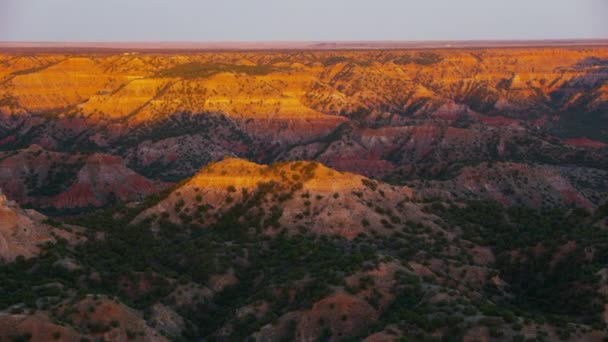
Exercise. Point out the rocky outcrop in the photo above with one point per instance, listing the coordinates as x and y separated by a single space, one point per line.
44 178
38 327
342 314
102 180
94 317
22 232
289 194
516 184
309 88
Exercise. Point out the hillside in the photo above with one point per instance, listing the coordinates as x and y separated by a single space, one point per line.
300 251
62 181
516 184
24 232
297 194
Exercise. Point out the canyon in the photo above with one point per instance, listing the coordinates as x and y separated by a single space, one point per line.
304 193
393 115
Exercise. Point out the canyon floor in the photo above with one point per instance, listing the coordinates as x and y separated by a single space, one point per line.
334 193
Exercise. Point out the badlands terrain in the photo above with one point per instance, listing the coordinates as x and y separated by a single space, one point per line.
304 194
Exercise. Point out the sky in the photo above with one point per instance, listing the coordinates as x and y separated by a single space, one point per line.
299 20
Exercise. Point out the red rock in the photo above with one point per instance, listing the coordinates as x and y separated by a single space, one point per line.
584 142
103 176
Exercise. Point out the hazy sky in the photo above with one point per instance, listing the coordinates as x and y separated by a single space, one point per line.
271 20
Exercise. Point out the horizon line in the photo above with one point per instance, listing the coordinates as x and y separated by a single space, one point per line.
303 44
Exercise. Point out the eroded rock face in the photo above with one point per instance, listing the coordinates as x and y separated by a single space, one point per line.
295 85
38 327
101 180
408 114
63 180
289 194
22 231
523 185
167 321
519 126
93 317
342 314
